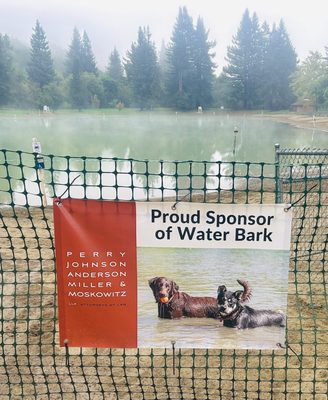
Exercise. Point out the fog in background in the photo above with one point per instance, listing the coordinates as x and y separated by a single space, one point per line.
115 23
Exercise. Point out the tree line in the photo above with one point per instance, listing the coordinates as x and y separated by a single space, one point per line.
261 71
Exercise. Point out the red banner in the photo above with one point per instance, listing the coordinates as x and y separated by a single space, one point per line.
183 254
97 273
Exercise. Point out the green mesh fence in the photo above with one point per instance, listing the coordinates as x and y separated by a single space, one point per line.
33 366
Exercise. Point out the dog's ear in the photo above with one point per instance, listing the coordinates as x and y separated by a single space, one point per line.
238 294
152 281
175 287
221 289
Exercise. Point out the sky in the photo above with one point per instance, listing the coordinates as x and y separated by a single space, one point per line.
112 24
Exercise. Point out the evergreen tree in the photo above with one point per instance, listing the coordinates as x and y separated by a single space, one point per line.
142 71
245 58
115 68
5 69
181 74
279 64
40 69
163 60
74 69
88 62
84 86
114 82
163 71
204 66
74 54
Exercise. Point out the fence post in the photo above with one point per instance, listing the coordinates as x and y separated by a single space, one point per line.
39 165
277 174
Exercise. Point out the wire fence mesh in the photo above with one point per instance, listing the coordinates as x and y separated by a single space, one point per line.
33 366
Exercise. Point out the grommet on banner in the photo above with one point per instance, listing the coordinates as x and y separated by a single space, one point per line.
295 202
173 356
58 202
66 353
178 201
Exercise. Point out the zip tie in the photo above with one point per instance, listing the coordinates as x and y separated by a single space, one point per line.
58 199
309 254
66 353
178 201
173 356
297 201
287 346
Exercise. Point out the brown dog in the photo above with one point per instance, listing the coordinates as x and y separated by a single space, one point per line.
174 304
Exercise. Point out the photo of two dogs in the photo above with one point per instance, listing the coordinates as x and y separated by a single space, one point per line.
228 306
212 298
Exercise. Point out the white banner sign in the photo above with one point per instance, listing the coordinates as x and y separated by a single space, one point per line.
205 225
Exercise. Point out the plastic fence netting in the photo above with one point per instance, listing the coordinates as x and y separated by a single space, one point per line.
33 366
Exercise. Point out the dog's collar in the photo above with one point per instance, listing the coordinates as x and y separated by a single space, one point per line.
175 294
167 307
170 299
233 315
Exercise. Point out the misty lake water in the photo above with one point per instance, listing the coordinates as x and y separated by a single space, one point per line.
156 135
139 136
199 272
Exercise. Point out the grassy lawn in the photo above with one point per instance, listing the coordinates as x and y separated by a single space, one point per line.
16 112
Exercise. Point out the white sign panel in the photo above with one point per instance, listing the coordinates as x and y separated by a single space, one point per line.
205 225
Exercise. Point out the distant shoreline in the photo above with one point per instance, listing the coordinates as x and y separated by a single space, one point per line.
302 121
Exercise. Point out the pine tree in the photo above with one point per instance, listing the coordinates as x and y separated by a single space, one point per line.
181 74
114 82
40 69
245 57
88 62
263 76
163 66
84 85
279 64
5 69
204 66
115 68
163 60
142 71
74 54
74 69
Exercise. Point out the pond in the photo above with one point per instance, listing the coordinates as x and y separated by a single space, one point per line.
156 135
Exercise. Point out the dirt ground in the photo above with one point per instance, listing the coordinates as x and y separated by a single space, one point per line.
298 120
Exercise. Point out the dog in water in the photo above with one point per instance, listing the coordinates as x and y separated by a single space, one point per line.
175 304
236 315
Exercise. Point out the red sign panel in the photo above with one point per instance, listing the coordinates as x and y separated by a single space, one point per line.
97 273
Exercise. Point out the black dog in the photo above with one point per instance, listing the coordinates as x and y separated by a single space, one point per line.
174 304
235 315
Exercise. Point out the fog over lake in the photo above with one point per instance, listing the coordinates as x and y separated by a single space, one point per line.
157 136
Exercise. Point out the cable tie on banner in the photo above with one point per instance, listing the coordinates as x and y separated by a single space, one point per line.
297 201
66 353
308 255
287 346
58 198
173 356
178 201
